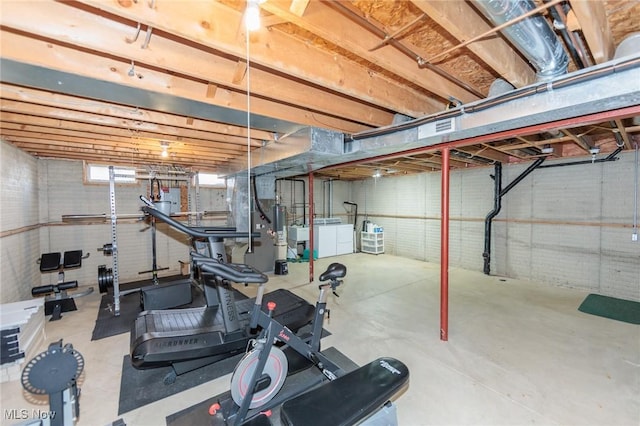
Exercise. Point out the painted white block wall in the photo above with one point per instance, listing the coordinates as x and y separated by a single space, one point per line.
579 230
408 208
567 226
19 224
37 193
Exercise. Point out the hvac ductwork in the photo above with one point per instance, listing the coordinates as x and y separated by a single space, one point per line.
533 36
629 46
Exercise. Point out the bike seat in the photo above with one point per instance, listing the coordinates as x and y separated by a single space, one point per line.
334 271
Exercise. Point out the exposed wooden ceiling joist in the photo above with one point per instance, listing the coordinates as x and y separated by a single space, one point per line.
220 28
346 66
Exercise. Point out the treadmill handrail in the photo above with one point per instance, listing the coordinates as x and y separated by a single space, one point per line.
236 272
197 231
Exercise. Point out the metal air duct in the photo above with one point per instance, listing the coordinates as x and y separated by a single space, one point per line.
533 36
629 46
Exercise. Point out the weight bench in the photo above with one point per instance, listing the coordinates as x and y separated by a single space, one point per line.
364 394
57 300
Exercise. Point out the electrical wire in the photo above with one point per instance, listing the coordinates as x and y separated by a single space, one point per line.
248 75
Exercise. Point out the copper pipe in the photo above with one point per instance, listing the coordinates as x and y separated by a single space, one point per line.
350 10
496 29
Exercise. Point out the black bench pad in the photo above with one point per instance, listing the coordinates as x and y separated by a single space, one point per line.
72 259
348 399
50 262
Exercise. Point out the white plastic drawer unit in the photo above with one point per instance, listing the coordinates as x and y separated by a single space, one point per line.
372 242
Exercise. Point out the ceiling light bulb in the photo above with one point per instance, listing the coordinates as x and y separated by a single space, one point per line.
252 16
164 154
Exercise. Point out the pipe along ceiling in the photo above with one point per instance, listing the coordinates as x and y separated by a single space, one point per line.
555 96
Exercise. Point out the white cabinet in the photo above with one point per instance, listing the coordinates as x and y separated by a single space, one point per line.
298 233
372 242
333 240
324 240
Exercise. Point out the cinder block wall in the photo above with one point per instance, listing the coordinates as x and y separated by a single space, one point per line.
19 224
37 193
571 226
567 226
66 194
408 208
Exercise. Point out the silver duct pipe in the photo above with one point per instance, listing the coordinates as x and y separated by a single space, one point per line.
533 36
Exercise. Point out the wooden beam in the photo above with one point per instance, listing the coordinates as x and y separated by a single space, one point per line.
507 149
27 123
298 7
133 127
335 27
461 21
219 27
57 57
176 125
73 153
72 26
485 152
582 144
56 139
592 18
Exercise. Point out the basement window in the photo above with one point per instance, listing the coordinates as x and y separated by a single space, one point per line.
100 174
211 180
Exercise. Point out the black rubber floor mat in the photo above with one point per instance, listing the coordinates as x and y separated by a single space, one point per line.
142 387
108 324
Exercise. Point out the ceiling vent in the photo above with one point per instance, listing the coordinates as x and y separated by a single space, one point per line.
436 128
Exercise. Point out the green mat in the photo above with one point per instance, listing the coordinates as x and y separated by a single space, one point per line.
610 307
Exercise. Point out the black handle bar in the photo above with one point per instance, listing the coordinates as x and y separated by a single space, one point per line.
198 232
236 272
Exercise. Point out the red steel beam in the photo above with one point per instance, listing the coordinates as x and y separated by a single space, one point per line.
445 147
589 119
444 248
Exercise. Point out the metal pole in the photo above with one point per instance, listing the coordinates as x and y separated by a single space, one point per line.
444 249
311 236
154 262
497 206
114 242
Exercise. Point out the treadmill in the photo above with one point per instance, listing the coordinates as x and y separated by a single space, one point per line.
191 338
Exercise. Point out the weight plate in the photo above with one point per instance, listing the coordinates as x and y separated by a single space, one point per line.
105 278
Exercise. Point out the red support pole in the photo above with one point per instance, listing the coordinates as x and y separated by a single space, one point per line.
444 248
311 236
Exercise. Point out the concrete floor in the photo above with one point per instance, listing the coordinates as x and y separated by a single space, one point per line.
518 352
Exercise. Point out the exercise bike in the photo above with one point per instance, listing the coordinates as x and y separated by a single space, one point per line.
261 380
191 338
